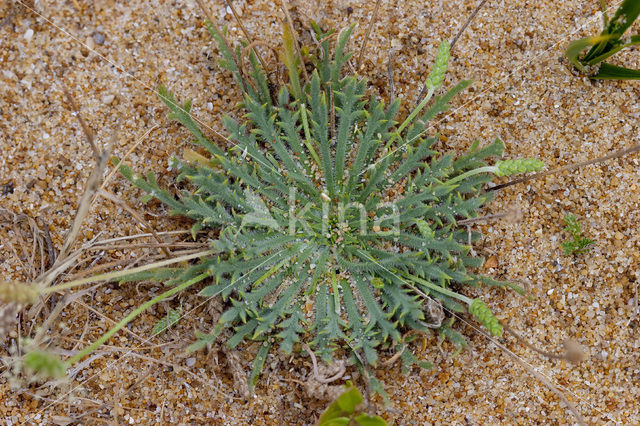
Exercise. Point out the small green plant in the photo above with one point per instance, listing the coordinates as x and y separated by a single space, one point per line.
342 411
579 244
609 42
333 224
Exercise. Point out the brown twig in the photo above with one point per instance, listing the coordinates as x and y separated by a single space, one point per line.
466 24
392 86
50 249
179 244
367 377
395 357
569 167
244 53
372 20
251 46
85 202
513 214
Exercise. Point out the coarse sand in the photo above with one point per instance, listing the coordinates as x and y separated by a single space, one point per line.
112 55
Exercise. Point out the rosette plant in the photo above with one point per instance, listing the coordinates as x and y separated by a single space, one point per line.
335 222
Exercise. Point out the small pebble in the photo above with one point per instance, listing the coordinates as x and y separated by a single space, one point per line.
99 38
28 35
108 99
191 362
90 43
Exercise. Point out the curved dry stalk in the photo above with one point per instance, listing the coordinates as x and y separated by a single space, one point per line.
513 215
316 373
87 131
573 353
395 356
569 167
251 46
246 34
542 379
85 200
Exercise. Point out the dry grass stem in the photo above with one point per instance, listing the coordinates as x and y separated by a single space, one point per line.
617 154
111 197
391 83
512 215
87 131
573 352
466 23
542 380
372 21
85 202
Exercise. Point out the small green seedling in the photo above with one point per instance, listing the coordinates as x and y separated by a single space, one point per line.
579 244
609 42
342 411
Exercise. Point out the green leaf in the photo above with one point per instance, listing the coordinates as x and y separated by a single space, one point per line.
608 43
203 340
367 420
343 406
258 364
613 72
576 47
183 115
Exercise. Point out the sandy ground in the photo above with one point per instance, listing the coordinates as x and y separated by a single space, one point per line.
112 54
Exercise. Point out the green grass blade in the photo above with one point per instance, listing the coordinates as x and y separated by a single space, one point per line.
614 72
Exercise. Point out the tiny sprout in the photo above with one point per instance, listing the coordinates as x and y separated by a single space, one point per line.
578 244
